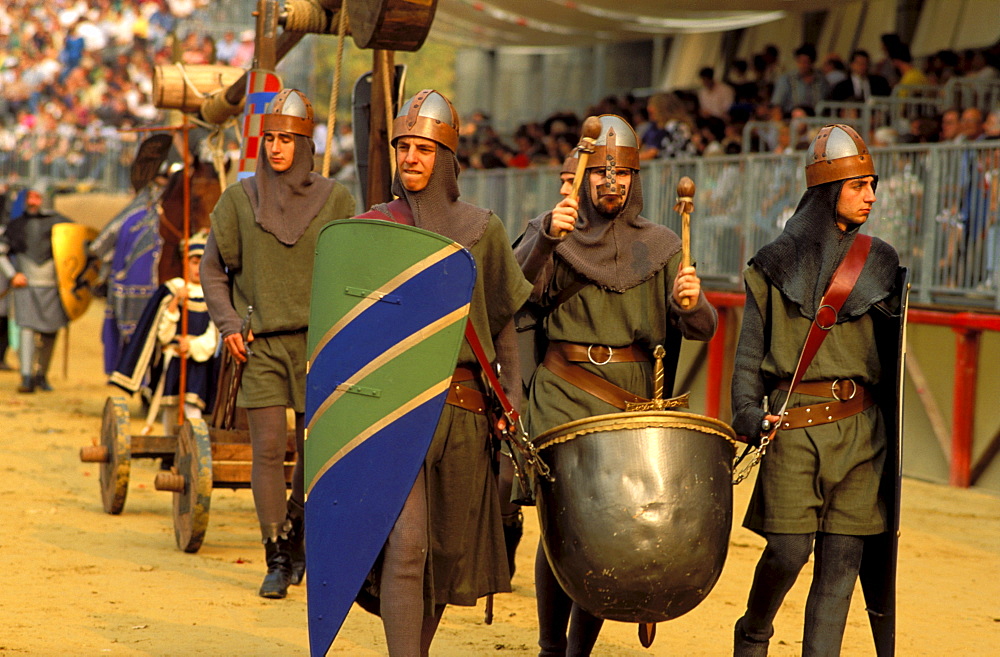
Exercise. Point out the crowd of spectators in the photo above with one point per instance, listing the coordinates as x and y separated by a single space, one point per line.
710 120
75 74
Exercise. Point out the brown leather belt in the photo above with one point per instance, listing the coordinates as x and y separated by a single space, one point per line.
463 396
840 389
599 354
832 411
557 363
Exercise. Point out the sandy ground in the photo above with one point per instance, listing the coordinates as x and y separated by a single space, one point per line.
77 581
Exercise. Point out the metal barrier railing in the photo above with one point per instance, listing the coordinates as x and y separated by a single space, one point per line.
938 205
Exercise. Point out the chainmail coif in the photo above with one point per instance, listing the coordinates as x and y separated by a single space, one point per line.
436 207
801 261
619 252
285 203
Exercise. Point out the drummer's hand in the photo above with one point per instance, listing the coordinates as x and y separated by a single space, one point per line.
774 420
19 280
237 348
183 345
564 217
687 285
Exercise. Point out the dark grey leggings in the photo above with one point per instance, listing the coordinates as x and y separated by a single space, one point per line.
556 612
838 558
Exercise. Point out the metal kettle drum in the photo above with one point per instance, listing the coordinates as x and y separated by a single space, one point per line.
636 521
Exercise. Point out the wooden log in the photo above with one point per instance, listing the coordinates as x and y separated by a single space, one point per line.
391 24
184 87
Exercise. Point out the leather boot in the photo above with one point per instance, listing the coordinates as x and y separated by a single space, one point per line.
279 568
744 646
27 384
513 529
42 383
297 540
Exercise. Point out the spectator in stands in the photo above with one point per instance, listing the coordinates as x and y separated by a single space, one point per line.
714 98
970 124
909 75
950 123
885 66
943 66
980 69
804 86
226 49
860 85
672 127
244 52
833 70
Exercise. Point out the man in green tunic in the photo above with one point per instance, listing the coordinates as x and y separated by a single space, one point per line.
818 486
447 545
260 254
614 288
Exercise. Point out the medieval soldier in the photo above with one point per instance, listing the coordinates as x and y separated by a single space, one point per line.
818 489
613 288
263 234
37 304
447 545
513 518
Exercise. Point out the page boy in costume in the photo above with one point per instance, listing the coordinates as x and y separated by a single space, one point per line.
158 345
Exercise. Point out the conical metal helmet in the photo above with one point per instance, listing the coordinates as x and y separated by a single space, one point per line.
837 153
429 115
289 111
617 146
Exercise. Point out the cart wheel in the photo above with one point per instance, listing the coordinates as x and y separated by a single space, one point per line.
193 461
116 442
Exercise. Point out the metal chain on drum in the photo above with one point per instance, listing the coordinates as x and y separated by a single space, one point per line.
758 454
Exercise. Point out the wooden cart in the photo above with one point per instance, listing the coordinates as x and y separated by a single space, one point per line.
206 455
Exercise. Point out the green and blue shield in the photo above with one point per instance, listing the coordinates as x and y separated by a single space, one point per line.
388 311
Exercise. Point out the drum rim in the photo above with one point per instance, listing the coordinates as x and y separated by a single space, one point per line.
576 428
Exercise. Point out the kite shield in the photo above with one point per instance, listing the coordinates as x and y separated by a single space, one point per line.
389 308
69 253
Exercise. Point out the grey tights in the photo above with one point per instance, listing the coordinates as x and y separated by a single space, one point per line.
269 439
408 633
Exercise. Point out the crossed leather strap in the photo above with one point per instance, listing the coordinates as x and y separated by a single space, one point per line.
845 403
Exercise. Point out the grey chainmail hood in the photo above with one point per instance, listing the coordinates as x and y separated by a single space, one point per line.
285 203
620 252
801 261
436 207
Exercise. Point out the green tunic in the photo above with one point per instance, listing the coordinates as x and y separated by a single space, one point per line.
823 478
645 314
276 281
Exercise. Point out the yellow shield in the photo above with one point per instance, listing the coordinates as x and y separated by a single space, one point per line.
69 252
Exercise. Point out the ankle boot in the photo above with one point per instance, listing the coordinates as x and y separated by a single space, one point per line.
513 529
27 384
297 541
42 383
279 568
744 646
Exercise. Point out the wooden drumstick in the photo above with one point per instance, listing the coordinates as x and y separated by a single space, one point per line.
685 206
589 133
